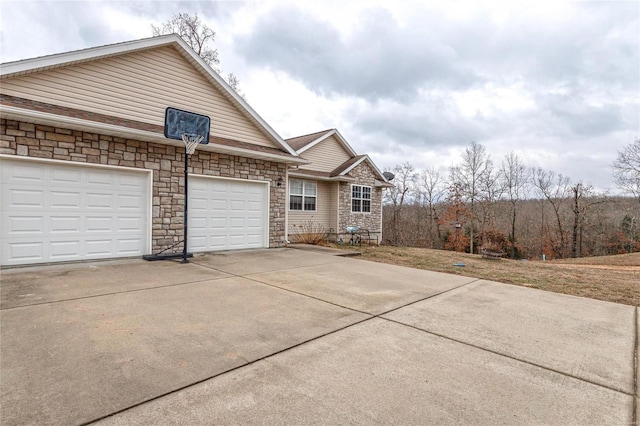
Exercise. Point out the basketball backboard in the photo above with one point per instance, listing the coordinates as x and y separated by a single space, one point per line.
178 122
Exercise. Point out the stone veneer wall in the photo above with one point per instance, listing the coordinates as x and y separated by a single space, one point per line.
166 161
371 221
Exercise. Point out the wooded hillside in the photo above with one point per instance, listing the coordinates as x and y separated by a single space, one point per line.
511 209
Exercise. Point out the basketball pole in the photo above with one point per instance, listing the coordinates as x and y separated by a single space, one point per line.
186 193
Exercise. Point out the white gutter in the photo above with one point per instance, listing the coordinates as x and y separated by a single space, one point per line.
322 178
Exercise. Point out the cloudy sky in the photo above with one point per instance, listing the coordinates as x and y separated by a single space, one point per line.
556 82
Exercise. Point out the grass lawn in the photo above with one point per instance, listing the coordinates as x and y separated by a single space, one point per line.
611 278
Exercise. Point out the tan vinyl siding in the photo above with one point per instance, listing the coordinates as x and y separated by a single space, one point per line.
325 156
139 86
326 209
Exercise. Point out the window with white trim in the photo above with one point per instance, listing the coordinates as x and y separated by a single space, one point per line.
302 195
360 199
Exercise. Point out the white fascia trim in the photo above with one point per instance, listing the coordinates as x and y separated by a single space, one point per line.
379 184
252 154
11 69
15 113
341 139
322 178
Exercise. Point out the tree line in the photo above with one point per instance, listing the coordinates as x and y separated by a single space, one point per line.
513 209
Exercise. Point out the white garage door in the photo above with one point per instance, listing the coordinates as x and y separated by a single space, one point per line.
53 212
227 214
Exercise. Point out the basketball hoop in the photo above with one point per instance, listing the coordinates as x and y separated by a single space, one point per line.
191 141
192 129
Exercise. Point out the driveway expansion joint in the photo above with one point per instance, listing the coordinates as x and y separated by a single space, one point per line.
222 373
114 293
622 391
430 296
246 277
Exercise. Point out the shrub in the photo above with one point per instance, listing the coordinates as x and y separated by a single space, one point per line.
309 232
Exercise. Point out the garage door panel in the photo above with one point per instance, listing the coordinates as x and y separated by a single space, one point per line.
254 206
23 173
28 251
254 223
65 250
65 175
99 248
23 225
198 243
129 246
99 201
65 199
219 205
238 205
25 198
57 212
217 222
236 216
129 224
237 223
130 202
198 203
100 179
65 224
198 223
95 224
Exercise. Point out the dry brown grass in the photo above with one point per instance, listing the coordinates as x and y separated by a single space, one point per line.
611 278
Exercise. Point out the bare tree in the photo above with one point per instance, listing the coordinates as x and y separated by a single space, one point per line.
476 166
515 176
584 198
626 169
490 191
432 192
553 188
403 184
200 37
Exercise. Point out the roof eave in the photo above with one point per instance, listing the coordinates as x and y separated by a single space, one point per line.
48 119
322 178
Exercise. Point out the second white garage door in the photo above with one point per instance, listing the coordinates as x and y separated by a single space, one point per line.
226 214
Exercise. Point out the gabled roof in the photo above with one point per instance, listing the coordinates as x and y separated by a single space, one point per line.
300 142
28 66
345 167
303 143
350 164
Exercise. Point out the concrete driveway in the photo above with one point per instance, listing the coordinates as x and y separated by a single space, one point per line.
285 336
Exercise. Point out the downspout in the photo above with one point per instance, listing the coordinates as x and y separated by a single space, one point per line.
381 198
337 210
286 206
